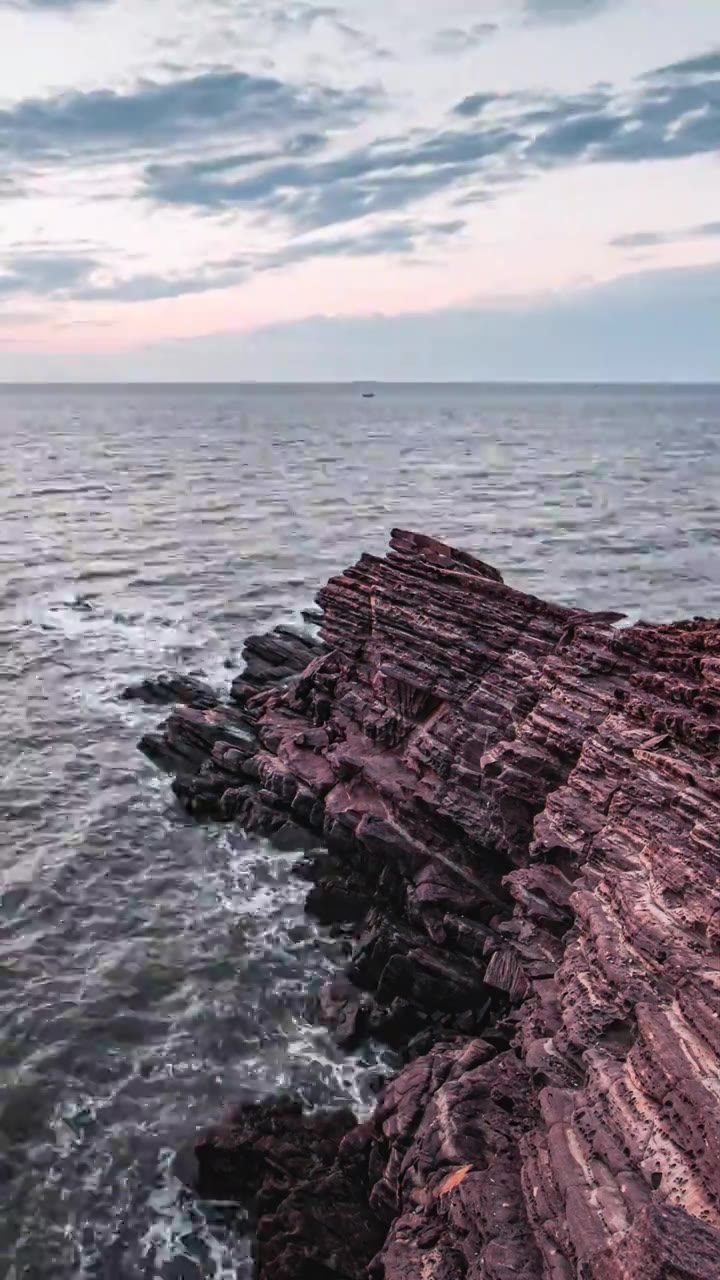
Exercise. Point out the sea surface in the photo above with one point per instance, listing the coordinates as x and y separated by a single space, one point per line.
151 970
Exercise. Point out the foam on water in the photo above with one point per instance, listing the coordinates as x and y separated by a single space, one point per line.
152 970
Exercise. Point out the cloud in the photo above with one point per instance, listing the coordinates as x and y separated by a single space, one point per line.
228 140
563 10
9 189
300 19
383 176
664 123
641 239
398 238
475 104
155 115
44 274
147 287
651 327
662 118
452 40
301 16
649 239
72 276
49 6
9 316
706 64
495 140
232 140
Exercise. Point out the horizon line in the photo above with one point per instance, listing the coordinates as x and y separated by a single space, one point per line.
358 383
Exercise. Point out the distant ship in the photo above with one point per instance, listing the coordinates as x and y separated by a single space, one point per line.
368 395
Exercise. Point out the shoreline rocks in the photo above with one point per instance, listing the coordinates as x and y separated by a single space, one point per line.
306 1178
520 805
172 689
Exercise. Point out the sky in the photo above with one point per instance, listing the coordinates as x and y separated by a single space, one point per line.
393 189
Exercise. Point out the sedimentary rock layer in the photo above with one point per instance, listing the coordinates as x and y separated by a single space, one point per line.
521 807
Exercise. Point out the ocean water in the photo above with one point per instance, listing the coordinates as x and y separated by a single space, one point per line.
151 970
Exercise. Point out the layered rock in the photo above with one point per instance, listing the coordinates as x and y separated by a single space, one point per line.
521 807
172 688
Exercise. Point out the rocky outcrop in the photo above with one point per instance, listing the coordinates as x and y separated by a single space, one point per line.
520 805
170 689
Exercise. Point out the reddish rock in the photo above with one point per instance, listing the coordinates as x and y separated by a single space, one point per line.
272 659
529 800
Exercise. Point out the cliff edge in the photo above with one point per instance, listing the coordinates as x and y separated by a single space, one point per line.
519 805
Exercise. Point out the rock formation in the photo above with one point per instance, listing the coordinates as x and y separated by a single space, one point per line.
171 689
520 807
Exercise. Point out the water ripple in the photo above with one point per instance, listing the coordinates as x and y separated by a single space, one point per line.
151 970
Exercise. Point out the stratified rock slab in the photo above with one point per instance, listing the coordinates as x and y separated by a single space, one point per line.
521 804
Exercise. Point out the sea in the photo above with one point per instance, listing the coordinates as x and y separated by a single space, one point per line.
154 971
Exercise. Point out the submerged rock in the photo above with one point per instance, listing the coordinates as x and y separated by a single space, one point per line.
521 805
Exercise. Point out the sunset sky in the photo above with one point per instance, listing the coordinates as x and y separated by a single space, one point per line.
226 189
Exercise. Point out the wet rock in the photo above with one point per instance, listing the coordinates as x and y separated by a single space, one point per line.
343 1008
273 659
305 1178
524 804
290 837
172 688
336 897
313 617
402 1026
185 1166
182 1268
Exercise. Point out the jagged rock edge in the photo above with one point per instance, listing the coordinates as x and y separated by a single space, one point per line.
528 801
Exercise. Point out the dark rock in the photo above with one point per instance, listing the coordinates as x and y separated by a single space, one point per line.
273 659
313 617
343 1008
398 1025
336 896
185 1166
290 837
261 1140
525 803
336 904
305 1178
665 1245
182 1268
173 688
